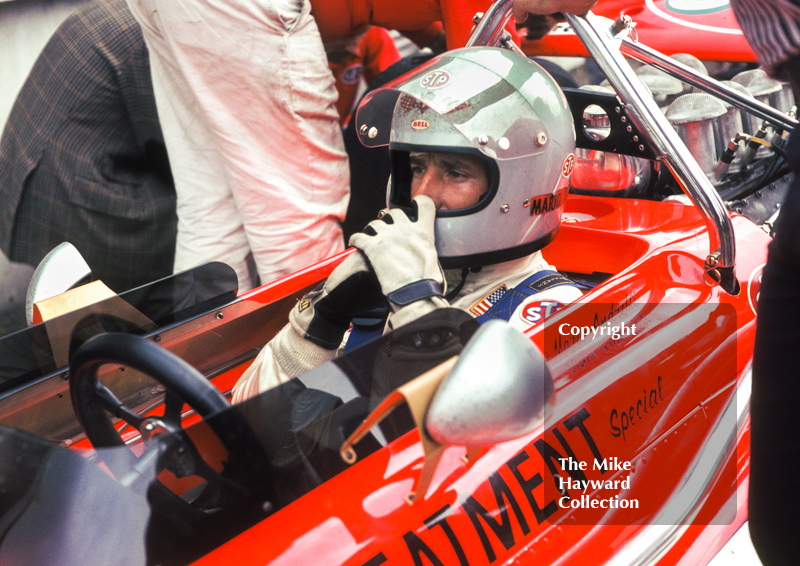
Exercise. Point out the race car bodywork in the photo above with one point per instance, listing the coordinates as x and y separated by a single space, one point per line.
615 402
641 456
708 30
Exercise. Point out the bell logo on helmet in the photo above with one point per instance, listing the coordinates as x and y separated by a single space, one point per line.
420 124
569 164
435 79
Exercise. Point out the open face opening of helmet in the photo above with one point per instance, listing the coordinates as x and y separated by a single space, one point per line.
452 180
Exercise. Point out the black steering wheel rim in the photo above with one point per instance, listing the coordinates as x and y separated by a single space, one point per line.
248 462
141 354
244 485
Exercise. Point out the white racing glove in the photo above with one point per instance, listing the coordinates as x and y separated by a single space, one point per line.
402 253
324 315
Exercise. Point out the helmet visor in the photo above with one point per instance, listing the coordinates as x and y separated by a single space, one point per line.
478 97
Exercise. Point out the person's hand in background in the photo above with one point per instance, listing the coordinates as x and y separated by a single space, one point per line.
544 7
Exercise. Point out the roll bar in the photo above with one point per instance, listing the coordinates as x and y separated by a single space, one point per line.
603 39
680 71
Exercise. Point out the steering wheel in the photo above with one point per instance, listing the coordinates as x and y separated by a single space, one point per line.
247 465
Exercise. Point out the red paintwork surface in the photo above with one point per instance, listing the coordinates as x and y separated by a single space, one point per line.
655 252
710 33
295 281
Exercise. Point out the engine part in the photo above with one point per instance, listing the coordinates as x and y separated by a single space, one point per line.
764 89
695 116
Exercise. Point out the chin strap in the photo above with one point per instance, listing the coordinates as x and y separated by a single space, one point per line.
457 289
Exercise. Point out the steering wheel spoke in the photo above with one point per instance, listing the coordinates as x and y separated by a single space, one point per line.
113 405
172 408
169 446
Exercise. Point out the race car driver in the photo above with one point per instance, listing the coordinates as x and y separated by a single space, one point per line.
481 146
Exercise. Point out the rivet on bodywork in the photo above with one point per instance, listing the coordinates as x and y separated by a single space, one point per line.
373 131
504 207
503 143
526 203
483 140
363 130
541 139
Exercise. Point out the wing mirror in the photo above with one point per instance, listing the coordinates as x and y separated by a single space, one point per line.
497 389
61 270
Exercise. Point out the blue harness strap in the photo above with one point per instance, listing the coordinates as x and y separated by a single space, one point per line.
366 328
536 283
370 327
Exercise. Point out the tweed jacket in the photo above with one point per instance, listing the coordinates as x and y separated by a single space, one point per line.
82 157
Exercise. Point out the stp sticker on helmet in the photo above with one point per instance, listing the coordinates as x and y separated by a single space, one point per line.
569 164
435 79
420 124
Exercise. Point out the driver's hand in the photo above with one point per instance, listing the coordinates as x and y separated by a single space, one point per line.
403 255
324 315
543 7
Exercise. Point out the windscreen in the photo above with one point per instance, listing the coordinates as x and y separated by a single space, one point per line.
42 349
107 507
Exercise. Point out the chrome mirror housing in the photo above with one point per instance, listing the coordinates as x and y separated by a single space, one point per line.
61 270
498 390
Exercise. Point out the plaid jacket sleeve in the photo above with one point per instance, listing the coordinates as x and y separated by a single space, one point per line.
772 29
82 156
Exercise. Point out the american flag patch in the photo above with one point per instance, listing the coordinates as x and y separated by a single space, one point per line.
489 300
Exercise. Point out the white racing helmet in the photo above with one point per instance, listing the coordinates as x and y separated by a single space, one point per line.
495 104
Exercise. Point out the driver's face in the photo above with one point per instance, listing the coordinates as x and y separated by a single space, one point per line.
451 180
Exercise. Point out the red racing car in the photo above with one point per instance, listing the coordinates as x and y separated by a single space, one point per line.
613 431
